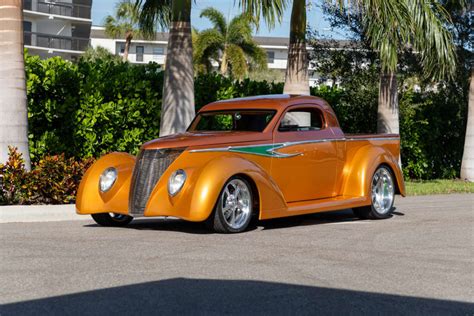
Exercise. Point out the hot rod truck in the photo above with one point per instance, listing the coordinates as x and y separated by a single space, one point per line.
268 156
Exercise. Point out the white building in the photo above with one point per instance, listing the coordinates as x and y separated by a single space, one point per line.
145 51
57 28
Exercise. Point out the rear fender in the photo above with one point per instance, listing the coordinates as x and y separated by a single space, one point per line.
358 171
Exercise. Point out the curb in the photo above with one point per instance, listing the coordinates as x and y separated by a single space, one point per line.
39 213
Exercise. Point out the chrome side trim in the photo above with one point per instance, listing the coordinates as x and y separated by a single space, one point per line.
273 147
371 138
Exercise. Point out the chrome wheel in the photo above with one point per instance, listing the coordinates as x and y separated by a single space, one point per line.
236 204
382 191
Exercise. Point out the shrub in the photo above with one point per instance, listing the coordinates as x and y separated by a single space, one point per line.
92 107
52 180
12 179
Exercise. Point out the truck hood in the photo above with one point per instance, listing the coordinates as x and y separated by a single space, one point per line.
206 139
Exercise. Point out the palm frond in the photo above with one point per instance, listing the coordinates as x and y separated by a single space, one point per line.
236 60
271 10
431 39
239 29
217 19
112 28
153 13
256 55
207 44
394 25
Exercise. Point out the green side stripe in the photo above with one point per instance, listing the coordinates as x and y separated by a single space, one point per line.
258 150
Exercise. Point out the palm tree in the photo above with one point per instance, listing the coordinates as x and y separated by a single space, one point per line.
124 24
296 79
467 166
231 44
392 25
178 88
13 103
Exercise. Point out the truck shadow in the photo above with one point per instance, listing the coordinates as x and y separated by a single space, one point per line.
182 296
177 225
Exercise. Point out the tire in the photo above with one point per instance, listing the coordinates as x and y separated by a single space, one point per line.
232 214
112 219
382 195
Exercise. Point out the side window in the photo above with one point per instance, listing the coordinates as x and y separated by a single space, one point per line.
310 119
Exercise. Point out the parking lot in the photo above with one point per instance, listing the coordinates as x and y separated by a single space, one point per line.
420 261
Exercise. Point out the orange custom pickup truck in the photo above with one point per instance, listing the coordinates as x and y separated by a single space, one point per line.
268 156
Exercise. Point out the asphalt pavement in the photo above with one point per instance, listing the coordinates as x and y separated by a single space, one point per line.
420 262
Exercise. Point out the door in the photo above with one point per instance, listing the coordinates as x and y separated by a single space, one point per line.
305 164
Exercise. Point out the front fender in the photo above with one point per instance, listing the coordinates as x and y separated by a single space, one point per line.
204 183
358 171
90 200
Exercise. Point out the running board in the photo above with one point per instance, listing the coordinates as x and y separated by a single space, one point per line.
317 206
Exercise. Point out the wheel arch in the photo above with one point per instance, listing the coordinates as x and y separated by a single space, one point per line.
217 172
360 168
397 185
255 193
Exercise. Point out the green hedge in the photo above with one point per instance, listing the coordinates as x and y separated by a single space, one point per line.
96 106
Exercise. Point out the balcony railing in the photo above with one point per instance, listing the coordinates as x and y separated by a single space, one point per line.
60 8
55 41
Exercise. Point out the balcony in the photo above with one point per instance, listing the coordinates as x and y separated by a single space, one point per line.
55 42
60 8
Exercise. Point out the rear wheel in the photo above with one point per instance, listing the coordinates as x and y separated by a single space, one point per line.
112 219
382 193
234 207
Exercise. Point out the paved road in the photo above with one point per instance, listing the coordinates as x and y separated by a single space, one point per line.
418 262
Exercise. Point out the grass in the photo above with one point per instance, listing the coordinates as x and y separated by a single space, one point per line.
438 187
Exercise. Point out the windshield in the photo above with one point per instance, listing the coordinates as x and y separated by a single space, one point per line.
232 120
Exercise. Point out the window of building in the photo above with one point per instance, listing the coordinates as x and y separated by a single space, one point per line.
120 48
140 50
310 119
270 57
26 32
27 5
158 52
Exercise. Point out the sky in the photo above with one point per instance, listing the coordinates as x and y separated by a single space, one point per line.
102 8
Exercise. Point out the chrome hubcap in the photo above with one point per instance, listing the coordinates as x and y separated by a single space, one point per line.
382 191
236 203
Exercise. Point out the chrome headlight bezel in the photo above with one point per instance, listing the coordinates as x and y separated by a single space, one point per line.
176 182
107 179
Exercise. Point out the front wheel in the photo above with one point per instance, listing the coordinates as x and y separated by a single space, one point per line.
112 219
234 207
382 192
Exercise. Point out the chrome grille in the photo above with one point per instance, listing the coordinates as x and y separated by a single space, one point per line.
149 167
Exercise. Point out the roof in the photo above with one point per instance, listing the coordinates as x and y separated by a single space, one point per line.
269 101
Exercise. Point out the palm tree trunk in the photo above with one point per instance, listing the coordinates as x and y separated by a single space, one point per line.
128 41
387 113
467 166
178 88
296 79
13 103
224 63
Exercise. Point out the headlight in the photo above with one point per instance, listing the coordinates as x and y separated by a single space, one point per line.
107 179
176 181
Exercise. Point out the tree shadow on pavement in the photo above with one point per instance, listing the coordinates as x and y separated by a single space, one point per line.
234 297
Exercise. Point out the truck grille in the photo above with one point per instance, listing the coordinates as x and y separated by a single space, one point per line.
149 167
